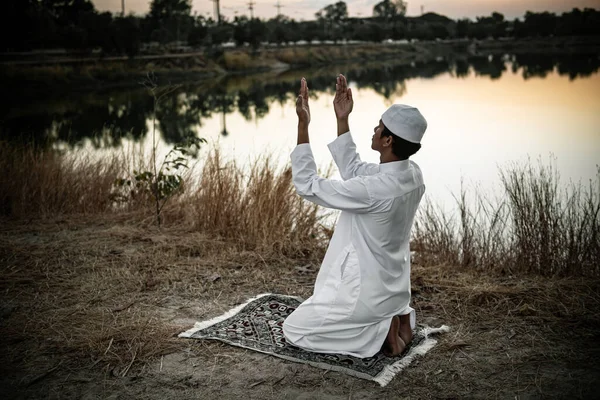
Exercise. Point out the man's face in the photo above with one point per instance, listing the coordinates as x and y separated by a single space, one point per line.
377 140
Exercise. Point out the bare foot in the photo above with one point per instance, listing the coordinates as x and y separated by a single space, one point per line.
404 331
394 345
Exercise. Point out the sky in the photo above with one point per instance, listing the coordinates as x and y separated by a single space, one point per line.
305 9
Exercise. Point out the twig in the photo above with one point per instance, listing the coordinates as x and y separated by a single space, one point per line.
278 380
45 374
123 308
130 363
109 344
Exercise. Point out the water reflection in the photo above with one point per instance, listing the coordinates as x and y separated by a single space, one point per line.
106 118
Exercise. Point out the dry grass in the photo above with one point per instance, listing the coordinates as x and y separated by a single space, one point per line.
98 292
257 208
102 299
534 228
38 182
237 60
103 291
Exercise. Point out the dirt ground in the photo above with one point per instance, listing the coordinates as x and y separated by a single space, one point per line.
90 309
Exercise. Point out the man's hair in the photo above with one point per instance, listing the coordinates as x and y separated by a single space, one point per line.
400 147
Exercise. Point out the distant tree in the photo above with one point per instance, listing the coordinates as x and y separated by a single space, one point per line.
282 29
72 18
128 35
251 31
219 33
165 9
462 28
578 22
99 31
336 13
540 24
199 32
499 25
170 20
332 19
309 30
68 12
389 9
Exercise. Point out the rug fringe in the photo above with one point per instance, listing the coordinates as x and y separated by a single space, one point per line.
388 373
205 324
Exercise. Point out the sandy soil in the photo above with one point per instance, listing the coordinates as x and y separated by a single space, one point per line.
90 308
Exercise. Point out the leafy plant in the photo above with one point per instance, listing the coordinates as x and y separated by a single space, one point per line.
162 183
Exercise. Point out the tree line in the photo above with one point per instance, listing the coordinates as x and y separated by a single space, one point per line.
75 25
72 119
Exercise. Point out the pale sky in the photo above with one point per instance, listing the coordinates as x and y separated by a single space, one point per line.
305 9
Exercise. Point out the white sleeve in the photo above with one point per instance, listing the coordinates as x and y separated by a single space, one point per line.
350 195
343 150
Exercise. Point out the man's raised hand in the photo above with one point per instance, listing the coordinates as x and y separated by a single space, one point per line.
302 108
342 103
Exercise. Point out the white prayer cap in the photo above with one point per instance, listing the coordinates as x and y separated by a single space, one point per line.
405 122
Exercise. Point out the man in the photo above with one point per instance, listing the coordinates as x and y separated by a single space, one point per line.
360 302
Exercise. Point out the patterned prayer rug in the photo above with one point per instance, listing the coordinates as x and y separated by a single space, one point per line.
257 325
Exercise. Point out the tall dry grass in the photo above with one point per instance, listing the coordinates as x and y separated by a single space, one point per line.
41 182
256 208
537 226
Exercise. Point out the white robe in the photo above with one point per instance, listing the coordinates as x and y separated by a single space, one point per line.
364 279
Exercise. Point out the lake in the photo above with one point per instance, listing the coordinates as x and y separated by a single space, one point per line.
483 113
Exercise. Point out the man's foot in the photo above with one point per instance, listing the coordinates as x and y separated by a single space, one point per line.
404 331
394 345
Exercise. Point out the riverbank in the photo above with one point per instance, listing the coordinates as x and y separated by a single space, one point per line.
93 293
91 306
59 71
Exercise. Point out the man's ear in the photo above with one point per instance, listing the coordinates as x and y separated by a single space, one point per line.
388 141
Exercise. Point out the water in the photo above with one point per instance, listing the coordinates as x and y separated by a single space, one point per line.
483 113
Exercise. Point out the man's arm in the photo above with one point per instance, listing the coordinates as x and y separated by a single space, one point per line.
342 104
351 195
342 126
343 149
303 111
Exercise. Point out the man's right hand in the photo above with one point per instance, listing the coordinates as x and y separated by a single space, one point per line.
342 103
302 108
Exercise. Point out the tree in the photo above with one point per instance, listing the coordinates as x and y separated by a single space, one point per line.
165 9
251 31
332 18
389 9
170 20
198 33
462 28
334 13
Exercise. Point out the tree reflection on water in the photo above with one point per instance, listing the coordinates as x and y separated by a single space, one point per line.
106 118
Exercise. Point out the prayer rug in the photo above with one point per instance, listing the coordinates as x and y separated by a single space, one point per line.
257 325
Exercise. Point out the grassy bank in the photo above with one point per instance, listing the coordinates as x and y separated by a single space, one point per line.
93 293
256 209
86 72
534 227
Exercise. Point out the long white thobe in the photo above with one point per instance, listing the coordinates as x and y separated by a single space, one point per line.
364 279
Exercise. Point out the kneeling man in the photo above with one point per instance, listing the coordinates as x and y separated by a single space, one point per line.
360 302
